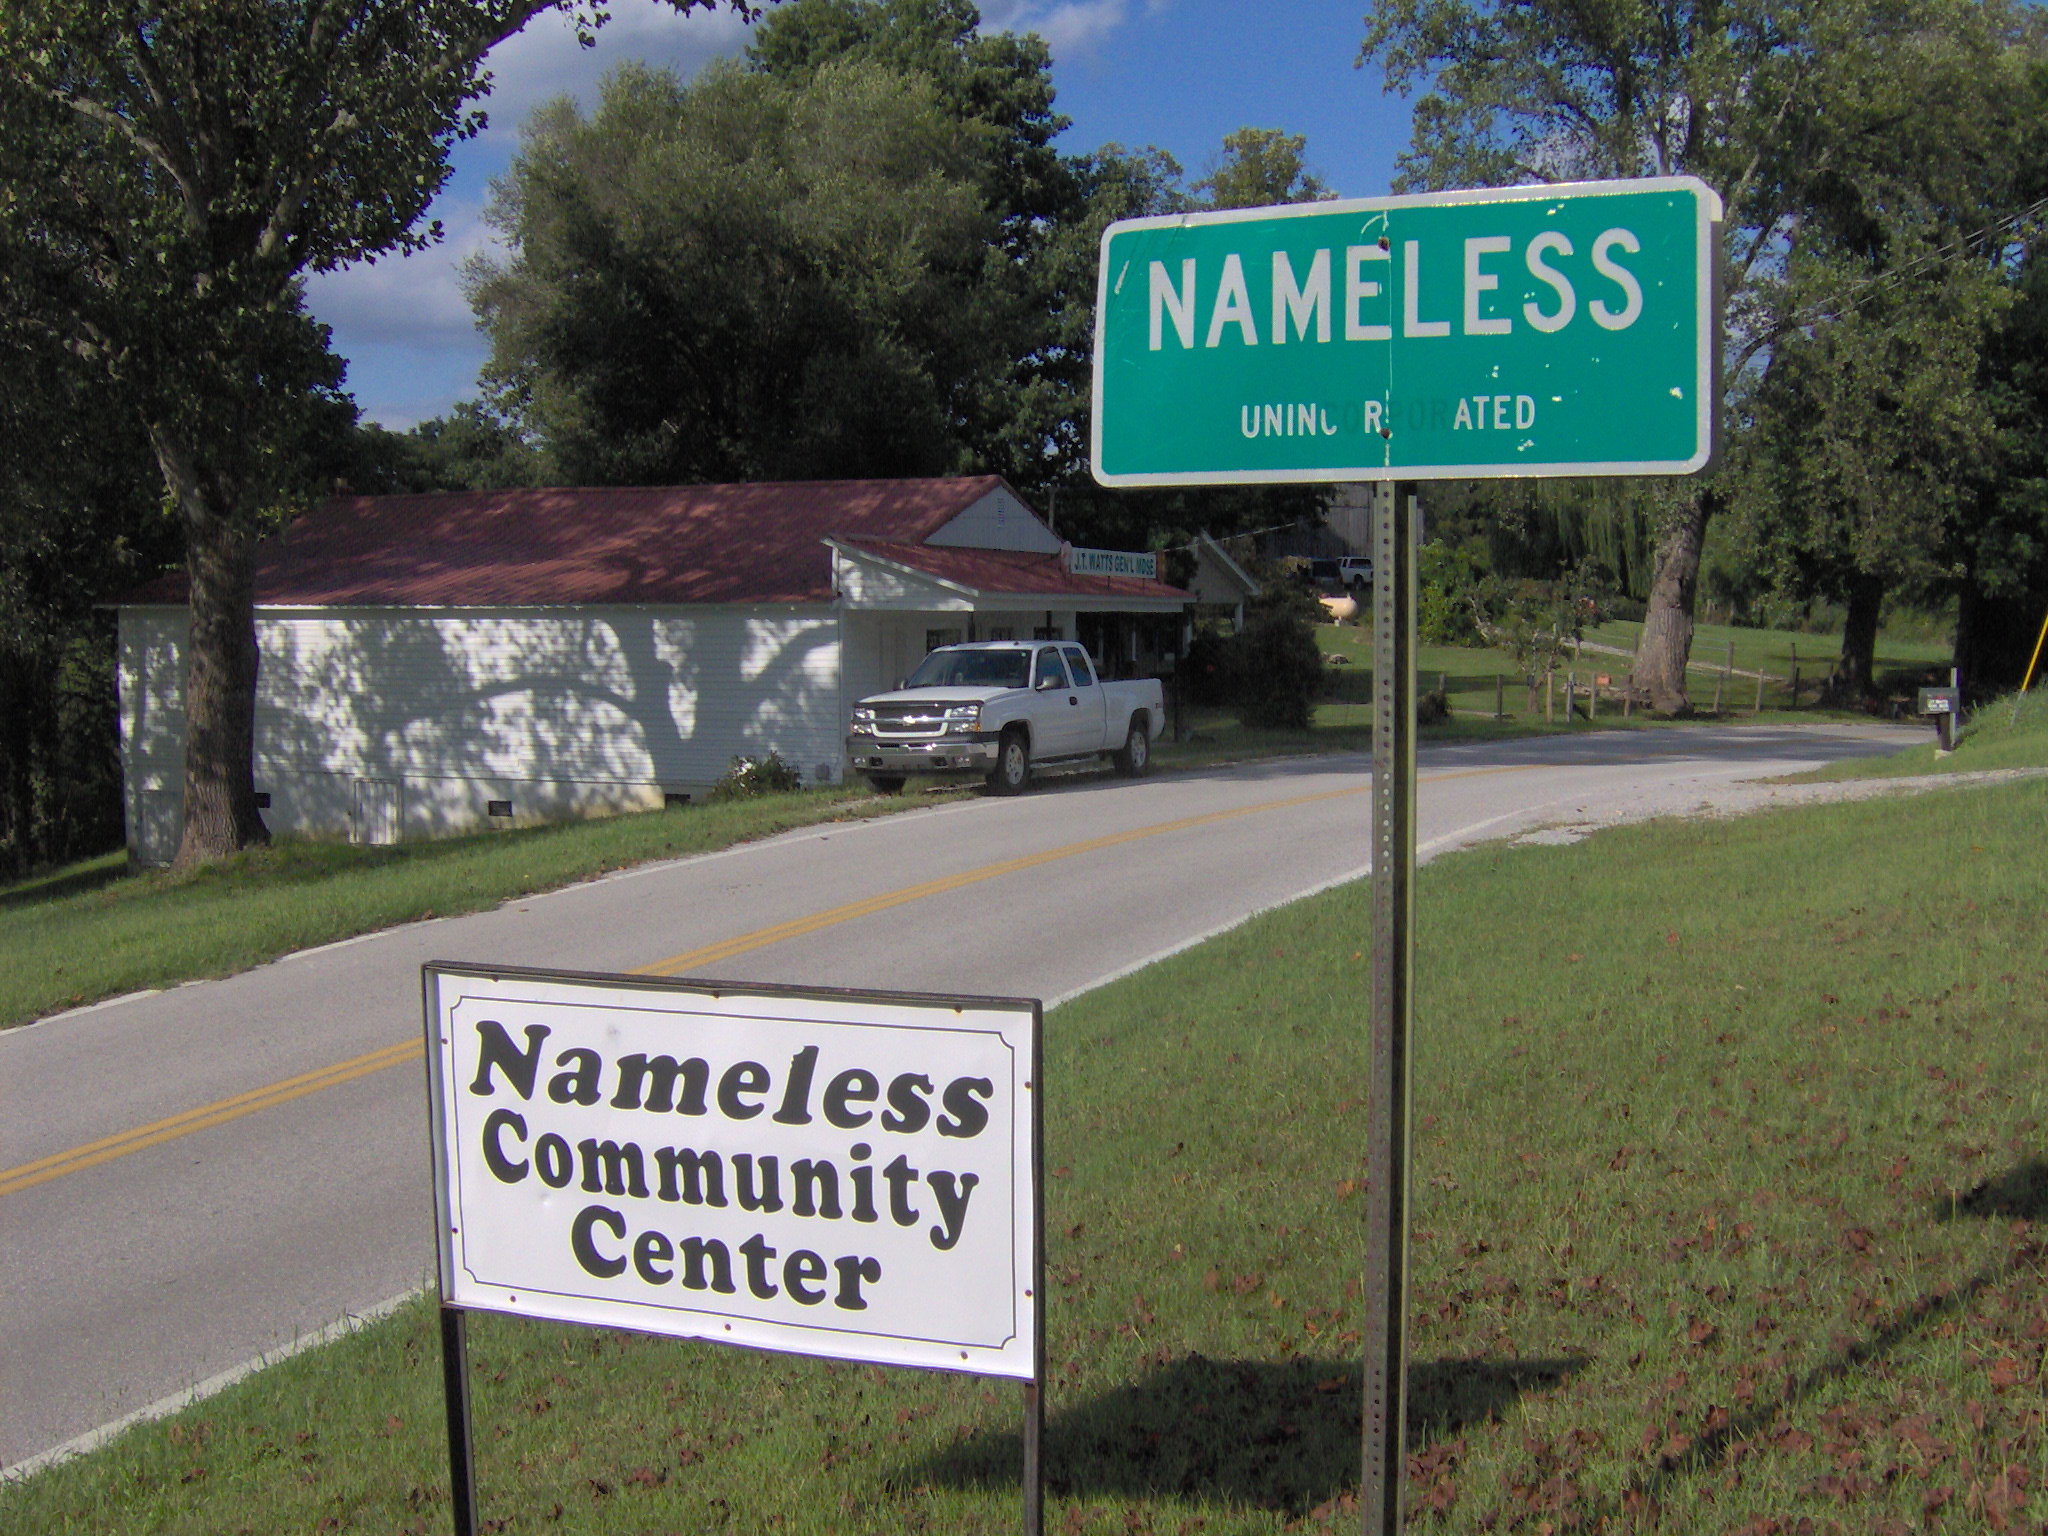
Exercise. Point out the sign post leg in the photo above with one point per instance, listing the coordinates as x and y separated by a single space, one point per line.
455 1386
1034 1465
1034 1390
1385 1297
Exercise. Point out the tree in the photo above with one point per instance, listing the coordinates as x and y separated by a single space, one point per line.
1870 434
1882 438
742 278
997 85
1260 168
79 516
171 168
1779 108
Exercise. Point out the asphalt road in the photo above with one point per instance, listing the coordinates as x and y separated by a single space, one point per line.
190 1178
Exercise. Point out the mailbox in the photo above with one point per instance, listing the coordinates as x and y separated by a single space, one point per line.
1944 706
1941 701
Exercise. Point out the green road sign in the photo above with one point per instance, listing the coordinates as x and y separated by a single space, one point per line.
1568 330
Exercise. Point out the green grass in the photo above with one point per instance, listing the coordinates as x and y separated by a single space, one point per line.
1994 736
1729 1194
95 929
1475 680
1773 651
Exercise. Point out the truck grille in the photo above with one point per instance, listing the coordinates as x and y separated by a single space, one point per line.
905 723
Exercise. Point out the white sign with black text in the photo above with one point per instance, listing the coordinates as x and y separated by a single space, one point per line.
852 1175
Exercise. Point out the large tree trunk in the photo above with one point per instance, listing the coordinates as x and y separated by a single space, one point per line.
1667 628
1855 679
220 668
1995 638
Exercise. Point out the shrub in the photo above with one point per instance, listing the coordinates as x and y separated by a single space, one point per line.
1447 583
1276 667
751 776
1433 705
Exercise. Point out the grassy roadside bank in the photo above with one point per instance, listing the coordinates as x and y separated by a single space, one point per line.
1997 735
95 930
1729 1203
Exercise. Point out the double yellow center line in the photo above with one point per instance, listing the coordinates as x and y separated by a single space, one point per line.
93 1153
55 1166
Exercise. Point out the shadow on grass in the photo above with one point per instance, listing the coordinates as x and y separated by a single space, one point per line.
1271 1435
37 889
2018 1194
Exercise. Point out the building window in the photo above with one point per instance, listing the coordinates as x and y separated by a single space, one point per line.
1043 633
497 807
934 638
1002 632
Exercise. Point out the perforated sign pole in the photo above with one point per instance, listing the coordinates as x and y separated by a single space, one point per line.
1385 1298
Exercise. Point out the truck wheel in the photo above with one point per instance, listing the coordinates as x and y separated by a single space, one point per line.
1135 755
1013 765
886 783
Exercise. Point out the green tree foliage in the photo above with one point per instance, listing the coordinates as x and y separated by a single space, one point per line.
171 168
1810 120
1037 308
1261 168
80 516
1269 669
742 279
1877 443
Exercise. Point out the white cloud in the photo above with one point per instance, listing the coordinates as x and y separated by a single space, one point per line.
544 61
402 322
1070 27
416 300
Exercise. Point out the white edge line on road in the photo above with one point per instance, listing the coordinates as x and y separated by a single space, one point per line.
164 1407
1434 845
78 1013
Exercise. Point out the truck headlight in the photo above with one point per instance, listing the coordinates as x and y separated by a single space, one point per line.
964 719
863 716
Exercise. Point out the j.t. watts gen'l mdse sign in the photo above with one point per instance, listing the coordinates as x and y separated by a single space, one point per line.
1566 330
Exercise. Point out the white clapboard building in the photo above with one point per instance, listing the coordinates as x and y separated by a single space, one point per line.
436 663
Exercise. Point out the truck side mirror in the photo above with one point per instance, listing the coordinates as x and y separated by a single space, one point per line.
1047 682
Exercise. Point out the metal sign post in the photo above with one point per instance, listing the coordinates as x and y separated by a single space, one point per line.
455 1393
1385 1298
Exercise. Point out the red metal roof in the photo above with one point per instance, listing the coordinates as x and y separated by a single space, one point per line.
1004 572
655 544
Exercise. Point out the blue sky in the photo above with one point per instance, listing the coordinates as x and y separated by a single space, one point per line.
1176 73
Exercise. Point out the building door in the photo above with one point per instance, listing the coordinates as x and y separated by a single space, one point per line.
376 812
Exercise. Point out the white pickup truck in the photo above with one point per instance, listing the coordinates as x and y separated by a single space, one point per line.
1000 708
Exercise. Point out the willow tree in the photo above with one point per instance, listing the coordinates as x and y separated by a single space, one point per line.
169 172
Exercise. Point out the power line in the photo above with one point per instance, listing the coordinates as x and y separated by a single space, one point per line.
1867 288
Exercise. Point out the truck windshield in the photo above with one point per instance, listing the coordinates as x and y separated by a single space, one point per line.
971 669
